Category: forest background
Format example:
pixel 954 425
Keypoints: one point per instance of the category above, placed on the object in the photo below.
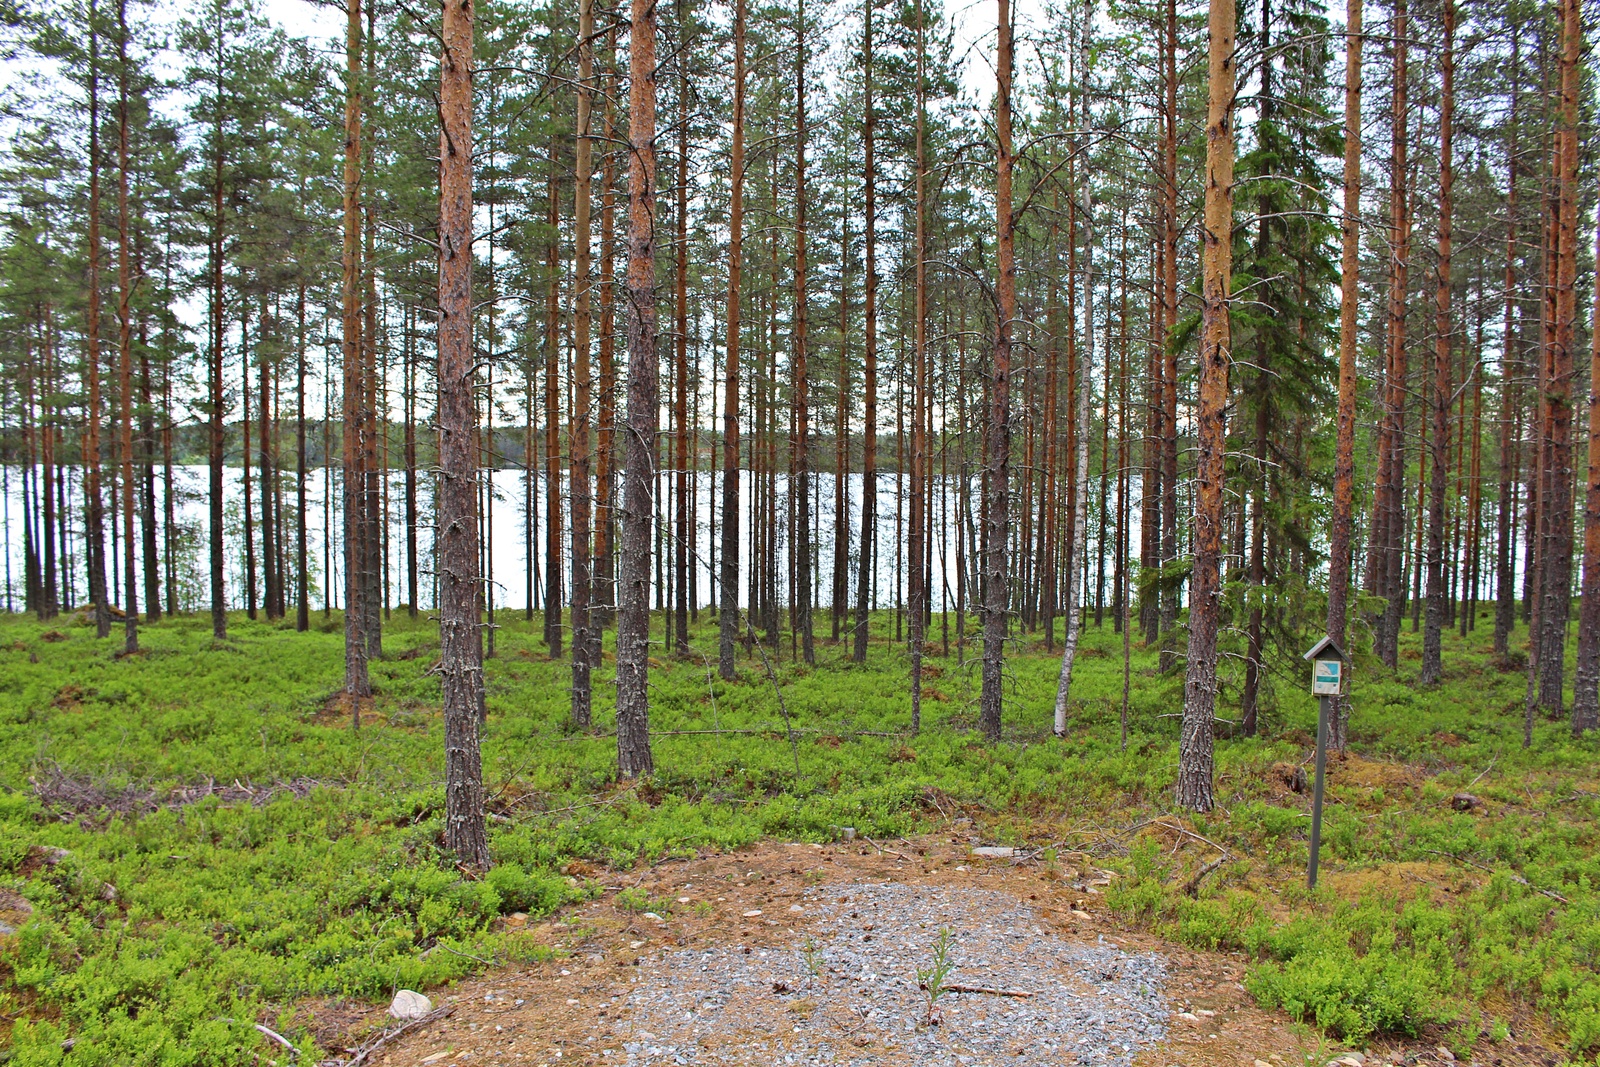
pixel 1136 345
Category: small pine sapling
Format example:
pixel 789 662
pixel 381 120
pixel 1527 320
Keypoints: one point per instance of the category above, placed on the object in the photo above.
pixel 931 979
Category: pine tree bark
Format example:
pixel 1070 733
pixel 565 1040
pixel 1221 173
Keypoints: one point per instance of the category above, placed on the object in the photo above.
pixel 1510 462
pixel 94 502
pixel 552 418
pixel 800 488
pixel 1432 668
pixel 357 684
pixel 638 509
pixel 841 436
pixel 144 454
pixel 869 359
pixel 219 601
pixel 683 537
pixel 248 508
pixel 1560 320
pixel 605 565
pixel 461 649
pixel 1586 680
pixel 997 436
pixel 1195 789
pixel 728 620
pixel 1349 325
pixel 1150 473
pixel 1386 557
pixel 125 284
pixel 1169 369
pixel 584 646
pixel 410 453
pixel 302 592
pixel 918 598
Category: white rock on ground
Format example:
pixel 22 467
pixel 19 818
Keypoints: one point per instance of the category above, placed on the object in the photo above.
pixel 409 1004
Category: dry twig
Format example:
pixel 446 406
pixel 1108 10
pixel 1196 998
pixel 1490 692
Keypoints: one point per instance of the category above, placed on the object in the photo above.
pixel 1517 878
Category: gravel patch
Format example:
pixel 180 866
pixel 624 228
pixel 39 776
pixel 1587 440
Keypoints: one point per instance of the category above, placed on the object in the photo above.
pixel 845 992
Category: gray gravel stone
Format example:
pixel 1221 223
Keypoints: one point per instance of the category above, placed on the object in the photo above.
pixel 846 991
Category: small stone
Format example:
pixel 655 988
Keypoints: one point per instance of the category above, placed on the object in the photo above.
pixel 1186 1016
pixel 653 915
pixel 796 908
pixel 1446 1054
pixel 752 913
pixel 994 851
pixel 51 856
pixel 409 1004
pixel 1076 914
pixel 1261 1063
pixel 1206 1013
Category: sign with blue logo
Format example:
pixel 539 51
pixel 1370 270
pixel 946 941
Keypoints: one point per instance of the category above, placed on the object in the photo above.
pixel 1327 678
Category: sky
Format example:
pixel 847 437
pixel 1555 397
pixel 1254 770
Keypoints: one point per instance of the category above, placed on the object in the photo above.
pixel 973 21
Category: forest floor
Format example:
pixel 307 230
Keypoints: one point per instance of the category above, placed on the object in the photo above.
pixel 195 849
pixel 787 985
pixel 811 952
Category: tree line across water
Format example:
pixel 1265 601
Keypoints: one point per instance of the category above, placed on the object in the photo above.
pixel 1287 300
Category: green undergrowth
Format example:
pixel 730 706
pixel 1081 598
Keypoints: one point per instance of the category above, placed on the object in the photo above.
pixel 204 842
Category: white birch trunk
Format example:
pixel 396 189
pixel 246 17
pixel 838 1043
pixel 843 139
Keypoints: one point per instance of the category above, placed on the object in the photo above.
pixel 1069 644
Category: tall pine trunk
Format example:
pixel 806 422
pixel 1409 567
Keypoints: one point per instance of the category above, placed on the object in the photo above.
pixel 125 284
pixel 94 501
pixel 1586 682
pixel 357 684
pixel 461 650
pixel 584 647
pixel 869 366
pixel 219 601
pixel 605 562
pixel 1169 366
pixel 1432 669
pixel 728 621
pixel 997 436
pixel 1349 325
pixel 918 600
pixel 683 539
pixel 302 595
pixel 552 418
pixel 1505 616
pixel 1195 789
pixel 1560 320
pixel 638 507
pixel 801 594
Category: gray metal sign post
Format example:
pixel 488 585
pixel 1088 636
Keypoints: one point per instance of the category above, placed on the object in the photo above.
pixel 1329 681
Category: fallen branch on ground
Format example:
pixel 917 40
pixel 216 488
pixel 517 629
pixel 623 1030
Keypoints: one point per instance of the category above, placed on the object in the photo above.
pixel 953 987
pixel 1517 878
pixel 365 1052
pixel 885 851
pixel 1192 886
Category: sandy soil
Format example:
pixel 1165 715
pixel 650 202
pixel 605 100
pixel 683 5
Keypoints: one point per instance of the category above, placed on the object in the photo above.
pixel 575 1009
